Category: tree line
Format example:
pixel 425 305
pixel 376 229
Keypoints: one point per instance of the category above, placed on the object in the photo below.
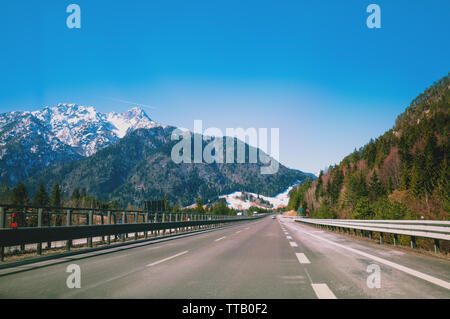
pixel 19 195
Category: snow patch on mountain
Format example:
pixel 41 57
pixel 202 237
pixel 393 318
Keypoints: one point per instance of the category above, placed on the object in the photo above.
pixel 245 200
pixel 133 119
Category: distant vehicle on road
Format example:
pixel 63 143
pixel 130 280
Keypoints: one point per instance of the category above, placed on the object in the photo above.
pixel 273 217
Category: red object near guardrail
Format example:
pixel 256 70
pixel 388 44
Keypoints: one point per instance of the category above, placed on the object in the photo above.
pixel 14 223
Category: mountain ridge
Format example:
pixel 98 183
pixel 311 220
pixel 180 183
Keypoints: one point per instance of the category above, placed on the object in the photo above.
pixel 33 140
pixel 139 167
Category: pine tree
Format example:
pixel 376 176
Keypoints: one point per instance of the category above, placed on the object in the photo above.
pixel 417 186
pixel 431 165
pixel 443 183
pixel 363 210
pixel 176 208
pixel 404 180
pixel 319 187
pixel 199 207
pixel 356 188
pixel 41 197
pixel 5 194
pixel 20 195
pixel 55 198
pixel 376 189
pixel 166 204
pixel 75 195
pixel 336 186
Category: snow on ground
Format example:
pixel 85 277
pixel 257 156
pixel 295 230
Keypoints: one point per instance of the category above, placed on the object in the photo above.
pixel 234 201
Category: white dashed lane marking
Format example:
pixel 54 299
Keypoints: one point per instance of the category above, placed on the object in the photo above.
pixel 412 272
pixel 323 292
pixel 166 259
pixel 302 258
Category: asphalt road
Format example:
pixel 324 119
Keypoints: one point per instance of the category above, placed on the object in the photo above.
pixel 268 258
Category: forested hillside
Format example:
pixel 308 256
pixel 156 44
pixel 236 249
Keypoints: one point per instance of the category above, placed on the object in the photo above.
pixel 403 174
pixel 139 167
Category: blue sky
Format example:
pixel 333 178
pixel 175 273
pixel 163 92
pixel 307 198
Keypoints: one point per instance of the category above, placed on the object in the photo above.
pixel 311 68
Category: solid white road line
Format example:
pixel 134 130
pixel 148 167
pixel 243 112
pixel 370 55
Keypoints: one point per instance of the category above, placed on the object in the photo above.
pixel 293 244
pixel 166 259
pixel 238 231
pixel 407 270
pixel 323 292
pixel 220 238
pixel 302 258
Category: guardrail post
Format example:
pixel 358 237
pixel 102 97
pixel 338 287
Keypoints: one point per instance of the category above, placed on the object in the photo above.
pixel 69 223
pixel 2 225
pixel 49 223
pixel 437 246
pixel 370 235
pixel 108 240
pixel 381 239
pixel 413 242
pixel 90 220
pixel 176 220
pixel 39 224
pixel 395 240
pixel 146 221
pixel 155 220
pixel 102 222
pixel 124 221
pixel 163 220
pixel 115 222
pixel 136 221
pixel 22 223
pixel 354 232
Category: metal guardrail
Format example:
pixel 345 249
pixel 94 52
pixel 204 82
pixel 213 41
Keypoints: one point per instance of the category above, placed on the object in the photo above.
pixel 437 230
pixel 143 222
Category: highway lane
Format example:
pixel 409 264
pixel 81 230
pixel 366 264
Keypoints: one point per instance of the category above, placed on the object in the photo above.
pixel 342 263
pixel 260 259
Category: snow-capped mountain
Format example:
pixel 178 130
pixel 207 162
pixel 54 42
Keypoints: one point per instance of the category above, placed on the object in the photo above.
pixel 87 130
pixel 31 141
pixel 124 157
